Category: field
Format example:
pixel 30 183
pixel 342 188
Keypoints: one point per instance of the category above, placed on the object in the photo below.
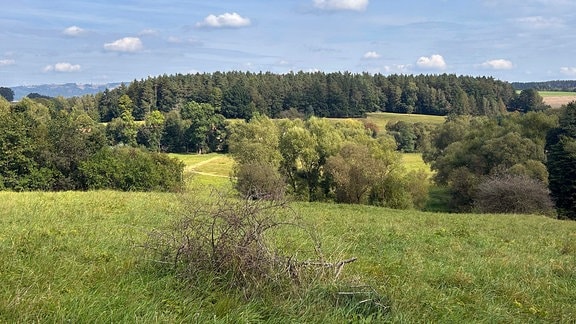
pixel 557 98
pixel 77 257
pixel 381 119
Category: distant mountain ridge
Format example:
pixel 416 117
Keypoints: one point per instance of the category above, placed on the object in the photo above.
pixel 66 90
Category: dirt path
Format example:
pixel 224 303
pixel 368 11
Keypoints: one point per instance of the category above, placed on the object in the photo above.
pixel 192 168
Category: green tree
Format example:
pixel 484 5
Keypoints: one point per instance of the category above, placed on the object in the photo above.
pixel 529 100
pixel 206 129
pixel 173 135
pixel 7 93
pixel 123 130
pixel 561 163
pixel 255 141
pixel 467 150
pixel 150 134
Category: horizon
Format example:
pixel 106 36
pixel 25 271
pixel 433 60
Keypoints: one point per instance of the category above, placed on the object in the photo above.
pixel 67 41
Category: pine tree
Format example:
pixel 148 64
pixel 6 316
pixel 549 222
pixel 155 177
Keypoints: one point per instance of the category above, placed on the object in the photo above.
pixel 561 149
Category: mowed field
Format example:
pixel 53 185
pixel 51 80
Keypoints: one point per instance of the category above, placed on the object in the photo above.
pixel 556 99
pixel 381 119
pixel 78 257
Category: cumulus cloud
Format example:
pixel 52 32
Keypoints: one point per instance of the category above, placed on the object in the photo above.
pixel 569 71
pixel 371 55
pixel 62 67
pixel 126 44
pixel 226 20
pixel 73 31
pixel 433 62
pixel 498 64
pixel 355 5
pixel 7 62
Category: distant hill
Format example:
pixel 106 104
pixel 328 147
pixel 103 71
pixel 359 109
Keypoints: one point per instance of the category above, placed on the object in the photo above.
pixel 65 90
pixel 558 85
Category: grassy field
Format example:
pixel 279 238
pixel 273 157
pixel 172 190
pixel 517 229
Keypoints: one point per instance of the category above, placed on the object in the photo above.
pixel 557 98
pixel 76 257
pixel 381 119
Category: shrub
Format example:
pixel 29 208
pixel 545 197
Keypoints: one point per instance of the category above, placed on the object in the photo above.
pixel 230 239
pixel 513 194
pixel 259 180
pixel 131 169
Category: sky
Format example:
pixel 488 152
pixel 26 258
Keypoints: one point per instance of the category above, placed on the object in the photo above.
pixel 102 41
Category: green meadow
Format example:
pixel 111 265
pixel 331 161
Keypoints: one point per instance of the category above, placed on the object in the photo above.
pixel 381 119
pixel 78 257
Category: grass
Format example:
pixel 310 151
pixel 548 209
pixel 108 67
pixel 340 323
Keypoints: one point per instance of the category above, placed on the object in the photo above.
pixel 557 93
pixel 75 256
pixel 557 99
pixel 381 119
pixel 414 162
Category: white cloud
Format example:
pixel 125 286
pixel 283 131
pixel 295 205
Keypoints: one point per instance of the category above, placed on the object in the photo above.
pixel 371 55
pixel 569 71
pixel 126 44
pixel 62 67
pixel 7 62
pixel 226 20
pixel 186 41
pixel 73 31
pixel 356 5
pixel 498 64
pixel 398 68
pixel 539 22
pixel 148 32
pixel 433 62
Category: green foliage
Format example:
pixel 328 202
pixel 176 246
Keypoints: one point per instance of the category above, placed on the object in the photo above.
pixel 561 163
pixel 466 150
pixel 150 134
pixel 529 100
pixel 259 180
pixel 206 131
pixel 255 141
pixel 239 95
pixel 321 160
pixel 131 169
pixel 6 93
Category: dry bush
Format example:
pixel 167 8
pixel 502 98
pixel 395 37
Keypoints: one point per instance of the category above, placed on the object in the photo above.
pixel 233 240
pixel 513 194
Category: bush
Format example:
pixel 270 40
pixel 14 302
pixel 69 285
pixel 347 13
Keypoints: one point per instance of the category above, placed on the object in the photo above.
pixel 131 169
pixel 513 194
pixel 259 180
pixel 230 239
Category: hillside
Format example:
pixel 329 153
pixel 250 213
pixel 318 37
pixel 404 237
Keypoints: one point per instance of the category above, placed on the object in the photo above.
pixel 76 256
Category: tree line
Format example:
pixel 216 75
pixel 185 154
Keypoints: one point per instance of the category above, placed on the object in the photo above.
pixel 556 85
pixel 46 149
pixel 339 94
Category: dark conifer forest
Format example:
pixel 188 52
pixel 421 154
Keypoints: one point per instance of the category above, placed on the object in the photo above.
pixel 242 94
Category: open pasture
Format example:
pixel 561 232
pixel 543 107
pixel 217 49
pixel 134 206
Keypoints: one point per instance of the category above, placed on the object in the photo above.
pixel 77 257
pixel 381 119
pixel 557 99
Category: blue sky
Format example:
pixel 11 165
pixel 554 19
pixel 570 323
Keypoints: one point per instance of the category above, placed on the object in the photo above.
pixel 90 41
